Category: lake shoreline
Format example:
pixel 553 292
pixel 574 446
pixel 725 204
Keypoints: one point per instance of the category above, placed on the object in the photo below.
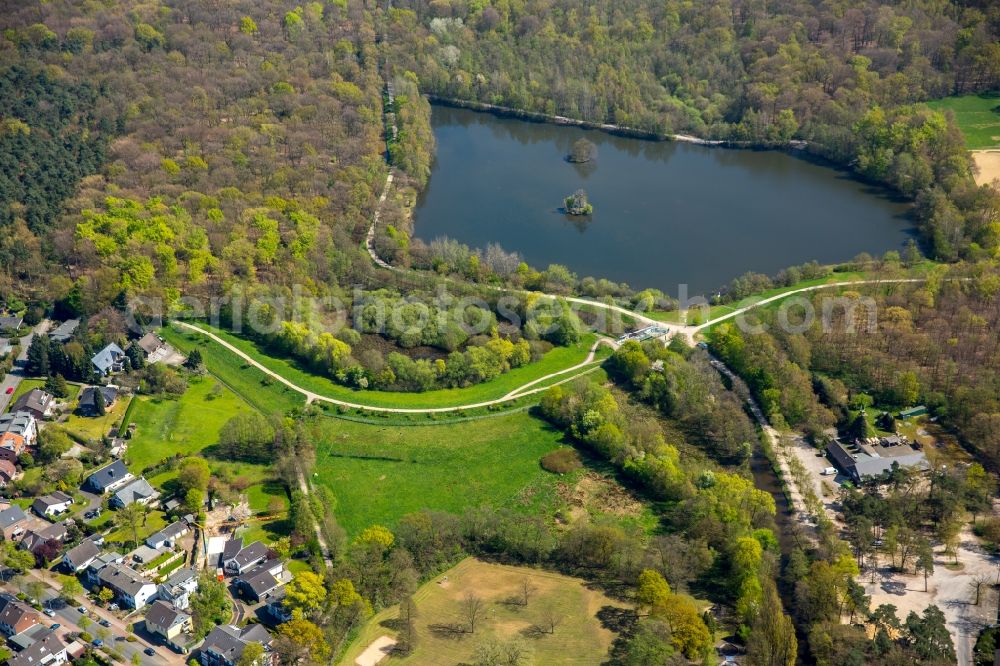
pixel 610 128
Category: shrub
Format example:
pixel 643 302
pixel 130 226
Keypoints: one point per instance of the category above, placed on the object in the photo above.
pixel 561 461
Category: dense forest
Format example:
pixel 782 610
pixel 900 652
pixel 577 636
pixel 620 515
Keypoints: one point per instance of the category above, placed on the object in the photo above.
pixel 847 77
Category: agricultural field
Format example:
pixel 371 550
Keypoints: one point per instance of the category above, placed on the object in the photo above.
pixel 559 358
pixel 380 473
pixel 167 426
pixel 978 116
pixel 579 639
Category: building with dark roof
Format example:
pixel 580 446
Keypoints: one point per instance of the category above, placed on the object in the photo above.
pixel 45 649
pixel 36 402
pixel 137 491
pixel 64 332
pixel 236 558
pixel 47 506
pixel 77 558
pixel 109 478
pixel 130 588
pixel 13 522
pixel 16 616
pixel 86 404
pixel 225 644
pixel 261 582
pixel 864 460
pixel 169 623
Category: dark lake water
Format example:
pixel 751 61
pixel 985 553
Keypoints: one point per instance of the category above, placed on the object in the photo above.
pixel 664 213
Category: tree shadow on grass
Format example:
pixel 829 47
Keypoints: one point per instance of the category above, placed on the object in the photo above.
pixel 449 630
pixel 619 620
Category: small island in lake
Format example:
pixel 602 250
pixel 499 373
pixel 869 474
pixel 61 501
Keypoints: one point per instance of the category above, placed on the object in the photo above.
pixel 577 204
pixel 583 151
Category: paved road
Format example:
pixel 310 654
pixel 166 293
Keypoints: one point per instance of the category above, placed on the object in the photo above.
pixel 69 618
pixel 14 377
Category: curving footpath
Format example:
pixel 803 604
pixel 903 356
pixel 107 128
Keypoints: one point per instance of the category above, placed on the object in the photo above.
pixel 312 396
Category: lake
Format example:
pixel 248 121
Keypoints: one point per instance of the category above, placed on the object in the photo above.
pixel 665 213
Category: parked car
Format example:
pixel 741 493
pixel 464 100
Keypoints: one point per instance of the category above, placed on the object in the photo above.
pixel 82 610
pixel 97 642
pixel 49 612
pixel 10 389
pixel 55 626
pixel 149 652
pixel 829 471
pixel 104 623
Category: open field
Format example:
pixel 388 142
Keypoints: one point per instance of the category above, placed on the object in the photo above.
pixel 251 384
pixel 988 162
pixel 559 358
pixel 187 424
pixel 978 116
pixel 580 639
pixel 380 473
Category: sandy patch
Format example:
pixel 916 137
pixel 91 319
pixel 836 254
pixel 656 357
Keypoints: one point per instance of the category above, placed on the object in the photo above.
pixel 376 652
pixel 988 162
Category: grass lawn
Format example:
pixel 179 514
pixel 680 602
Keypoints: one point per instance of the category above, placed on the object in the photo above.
pixel 380 473
pixel 155 521
pixel 557 359
pixel 167 426
pixel 93 428
pixel 978 116
pixel 265 394
pixel 29 384
pixel 580 638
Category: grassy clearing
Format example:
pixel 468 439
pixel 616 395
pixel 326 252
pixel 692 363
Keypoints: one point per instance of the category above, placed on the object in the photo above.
pixel 380 473
pixel 155 521
pixel 261 391
pixel 167 426
pixel 579 639
pixel 978 116
pixel 560 358
pixel 88 428
pixel 27 385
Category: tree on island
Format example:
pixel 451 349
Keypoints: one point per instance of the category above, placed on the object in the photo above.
pixel 582 151
pixel 577 204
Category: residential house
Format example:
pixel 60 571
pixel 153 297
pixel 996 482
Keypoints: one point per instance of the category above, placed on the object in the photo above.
pixel 12 322
pixel 237 559
pixel 48 506
pixel 16 616
pixel 144 555
pixel 109 478
pixel 169 623
pixel 36 402
pixel 13 523
pixel 93 571
pixel 18 431
pixel 225 644
pixel 179 587
pixel 34 540
pixel 87 402
pixel 5 347
pixel 109 360
pixel 276 607
pixel 138 491
pixel 64 332
pixel 168 536
pixel 261 582
pixel 153 347
pixel 77 559
pixel 46 649
pixel 8 472
pixel 130 588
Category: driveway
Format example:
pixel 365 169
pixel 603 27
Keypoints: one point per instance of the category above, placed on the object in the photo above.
pixel 14 377
pixel 69 618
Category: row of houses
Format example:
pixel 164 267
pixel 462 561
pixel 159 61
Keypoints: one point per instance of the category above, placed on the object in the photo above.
pixel 33 643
